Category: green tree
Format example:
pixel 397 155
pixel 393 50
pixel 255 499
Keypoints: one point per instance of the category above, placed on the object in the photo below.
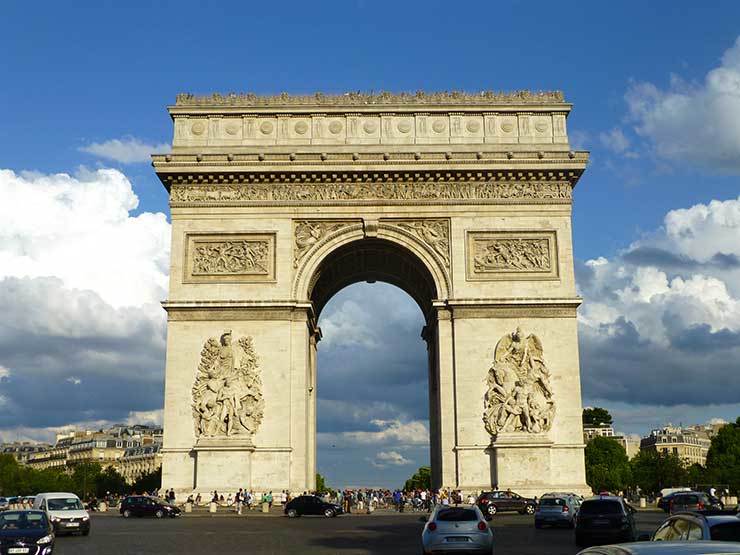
pixel 696 474
pixel 607 465
pixel 595 417
pixel 148 482
pixel 320 484
pixel 723 458
pixel 85 477
pixel 653 471
pixel 109 480
pixel 422 479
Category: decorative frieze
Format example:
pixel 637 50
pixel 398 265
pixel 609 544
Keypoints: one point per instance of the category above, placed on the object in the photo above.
pixel 519 396
pixel 511 255
pixel 371 99
pixel 309 232
pixel 230 257
pixel 348 192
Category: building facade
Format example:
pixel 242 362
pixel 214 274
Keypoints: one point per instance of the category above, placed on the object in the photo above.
pixel 690 444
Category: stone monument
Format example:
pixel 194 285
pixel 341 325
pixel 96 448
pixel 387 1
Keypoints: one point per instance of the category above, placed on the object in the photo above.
pixel 462 200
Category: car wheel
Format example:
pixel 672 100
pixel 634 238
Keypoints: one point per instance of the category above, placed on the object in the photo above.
pixel 292 513
pixel 126 513
pixel 329 513
pixel 159 513
pixel 492 509
pixel 529 509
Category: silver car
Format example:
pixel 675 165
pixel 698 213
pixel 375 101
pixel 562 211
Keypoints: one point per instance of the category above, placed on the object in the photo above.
pixel 665 548
pixel 456 529
pixel 556 510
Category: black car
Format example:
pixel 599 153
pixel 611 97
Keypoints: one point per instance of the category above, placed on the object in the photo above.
pixel 311 505
pixel 492 502
pixel 28 532
pixel 692 501
pixel 605 519
pixel 145 505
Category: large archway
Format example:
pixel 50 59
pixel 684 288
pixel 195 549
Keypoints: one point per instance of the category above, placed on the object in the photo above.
pixel 371 260
pixel 462 200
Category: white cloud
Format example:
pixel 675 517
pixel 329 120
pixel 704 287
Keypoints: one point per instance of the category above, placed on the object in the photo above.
pixel 79 229
pixel 80 281
pixel 152 417
pixel 4 372
pixel 693 121
pixel 616 141
pixel 389 458
pixel 393 432
pixel 128 150
pixel 661 321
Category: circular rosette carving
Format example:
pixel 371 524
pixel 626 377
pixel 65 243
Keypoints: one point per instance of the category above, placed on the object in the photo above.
pixel 227 393
pixel 519 396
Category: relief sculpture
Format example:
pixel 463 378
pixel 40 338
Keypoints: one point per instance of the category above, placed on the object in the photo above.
pixel 519 396
pixel 529 255
pixel 227 393
pixel 310 232
pixel 231 257
pixel 435 233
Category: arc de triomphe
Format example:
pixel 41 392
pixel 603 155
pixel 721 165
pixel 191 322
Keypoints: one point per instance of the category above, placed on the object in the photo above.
pixel 462 200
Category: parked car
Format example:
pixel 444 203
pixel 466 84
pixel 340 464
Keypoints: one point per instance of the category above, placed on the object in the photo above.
pixel 665 548
pixel 311 505
pixel 4 503
pixel 28 532
pixel 556 510
pixel 700 525
pixel 665 497
pixel 605 519
pixel 146 505
pixel 692 501
pixel 65 511
pixel 456 529
pixel 492 502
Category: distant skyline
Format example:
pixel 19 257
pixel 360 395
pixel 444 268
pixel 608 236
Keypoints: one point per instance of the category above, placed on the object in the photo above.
pixel 85 230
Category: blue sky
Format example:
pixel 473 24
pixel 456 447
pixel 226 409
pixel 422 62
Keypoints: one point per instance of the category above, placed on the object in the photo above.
pixel 654 100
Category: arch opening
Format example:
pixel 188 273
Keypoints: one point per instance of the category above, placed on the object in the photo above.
pixel 372 260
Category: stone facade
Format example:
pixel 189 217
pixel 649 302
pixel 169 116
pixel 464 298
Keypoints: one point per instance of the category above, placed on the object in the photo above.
pixel 464 201
pixel 690 444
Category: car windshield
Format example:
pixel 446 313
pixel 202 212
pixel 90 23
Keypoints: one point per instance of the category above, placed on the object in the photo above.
pixel 726 532
pixel 22 521
pixel 456 515
pixel 552 501
pixel 601 507
pixel 64 504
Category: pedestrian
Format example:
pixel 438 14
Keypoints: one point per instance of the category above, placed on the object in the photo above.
pixel 238 501
pixel 269 500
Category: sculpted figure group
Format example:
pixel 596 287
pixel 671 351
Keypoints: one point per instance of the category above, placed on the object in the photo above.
pixel 227 394
pixel 513 254
pixel 519 396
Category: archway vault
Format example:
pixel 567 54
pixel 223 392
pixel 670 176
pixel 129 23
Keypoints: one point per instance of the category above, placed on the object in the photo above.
pixel 373 252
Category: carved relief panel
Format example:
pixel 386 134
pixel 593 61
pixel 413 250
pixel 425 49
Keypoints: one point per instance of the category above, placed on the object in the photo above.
pixel 227 392
pixel 308 233
pixel 519 396
pixel 229 257
pixel 507 255
pixel 435 233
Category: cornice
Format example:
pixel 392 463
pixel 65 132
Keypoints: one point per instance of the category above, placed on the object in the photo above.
pixel 381 99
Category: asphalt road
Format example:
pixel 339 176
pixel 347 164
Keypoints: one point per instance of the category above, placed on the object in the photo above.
pixel 351 535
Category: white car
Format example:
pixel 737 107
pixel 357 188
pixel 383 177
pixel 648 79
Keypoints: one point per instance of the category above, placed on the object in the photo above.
pixel 457 529
pixel 65 511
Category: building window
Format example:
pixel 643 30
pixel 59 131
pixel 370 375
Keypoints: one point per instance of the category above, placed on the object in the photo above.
pixel 675 450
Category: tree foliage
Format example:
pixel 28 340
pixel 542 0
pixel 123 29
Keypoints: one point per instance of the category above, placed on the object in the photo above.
pixel 607 465
pixel 723 458
pixel 422 479
pixel 595 417
pixel 320 484
pixel 653 471
pixel 148 482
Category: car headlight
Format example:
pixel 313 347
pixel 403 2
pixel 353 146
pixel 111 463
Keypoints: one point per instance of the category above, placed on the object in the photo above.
pixel 55 519
pixel 45 540
pixel 85 518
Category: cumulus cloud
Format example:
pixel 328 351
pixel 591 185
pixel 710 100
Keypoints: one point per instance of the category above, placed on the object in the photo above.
pixel 660 324
pixel 385 432
pixel 128 150
pixel 616 141
pixel 80 281
pixel 693 121
pixel 389 458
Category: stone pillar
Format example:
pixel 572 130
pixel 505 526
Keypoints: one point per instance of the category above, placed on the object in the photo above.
pixel 446 403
